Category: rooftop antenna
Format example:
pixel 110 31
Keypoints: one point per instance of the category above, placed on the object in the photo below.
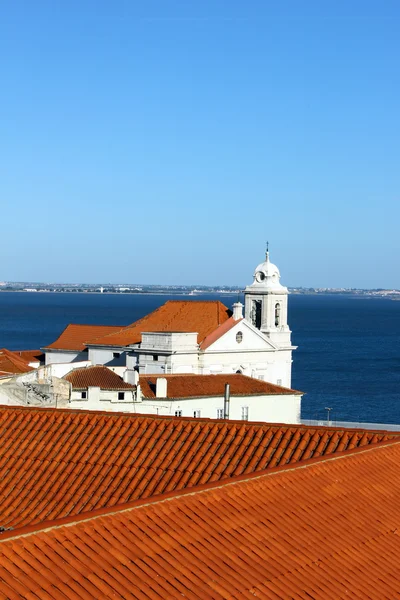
pixel 267 252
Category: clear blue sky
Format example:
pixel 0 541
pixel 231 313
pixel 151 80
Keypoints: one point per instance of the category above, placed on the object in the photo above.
pixel 166 141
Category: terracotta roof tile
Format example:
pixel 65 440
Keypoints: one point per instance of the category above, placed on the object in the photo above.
pixel 30 355
pixel 201 317
pixel 97 376
pixel 56 463
pixel 327 529
pixel 196 386
pixel 75 337
pixel 11 363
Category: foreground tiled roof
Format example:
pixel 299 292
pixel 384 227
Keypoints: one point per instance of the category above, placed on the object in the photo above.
pixel 12 363
pixel 199 316
pixel 75 337
pixel 323 530
pixel 56 463
pixel 97 376
pixel 197 386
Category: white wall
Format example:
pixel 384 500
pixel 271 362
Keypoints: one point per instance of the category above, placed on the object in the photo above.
pixel 61 369
pixel 57 356
pixel 271 409
pixel 98 399
pixel 274 409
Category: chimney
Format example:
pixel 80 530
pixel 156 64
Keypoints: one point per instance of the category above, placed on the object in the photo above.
pixel 226 401
pixel 131 376
pixel 161 387
pixel 237 311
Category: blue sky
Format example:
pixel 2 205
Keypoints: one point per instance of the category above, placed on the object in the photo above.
pixel 166 141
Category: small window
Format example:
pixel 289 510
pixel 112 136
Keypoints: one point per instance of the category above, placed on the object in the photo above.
pixel 155 356
pixel 196 414
pixel 121 395
pixel 239 337
pixel 261 377
pixel 83 395
pixel 279 381
pixel 116 354
pixel 220 413
pixel 245 413
pixel 178 413
pixel 239 372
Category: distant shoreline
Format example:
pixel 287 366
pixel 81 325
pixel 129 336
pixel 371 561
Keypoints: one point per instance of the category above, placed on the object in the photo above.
pixel 353 295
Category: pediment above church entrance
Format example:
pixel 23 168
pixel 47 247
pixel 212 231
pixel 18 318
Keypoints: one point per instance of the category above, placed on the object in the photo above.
pixel 242 337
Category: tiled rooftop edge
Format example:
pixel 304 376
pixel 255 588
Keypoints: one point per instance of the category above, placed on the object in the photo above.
pixel 115 414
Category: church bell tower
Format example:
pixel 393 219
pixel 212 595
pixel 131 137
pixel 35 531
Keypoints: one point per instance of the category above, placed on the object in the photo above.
pixel 266 302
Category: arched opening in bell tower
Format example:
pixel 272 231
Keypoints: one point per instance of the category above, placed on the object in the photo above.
pixel 277 314
pixel 256 314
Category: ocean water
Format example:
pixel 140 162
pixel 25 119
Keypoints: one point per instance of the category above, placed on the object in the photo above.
pixel 348 356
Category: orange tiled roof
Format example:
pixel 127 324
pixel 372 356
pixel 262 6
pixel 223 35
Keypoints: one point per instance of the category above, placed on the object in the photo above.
pixel 11 363
pixel 199 316
pixel 324 530
pixel 197 386
pixel 56 463
pixel 30 355
pixel 74 337
pixel 97 376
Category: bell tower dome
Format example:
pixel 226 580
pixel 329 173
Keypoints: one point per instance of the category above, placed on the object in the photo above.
pixel 266 301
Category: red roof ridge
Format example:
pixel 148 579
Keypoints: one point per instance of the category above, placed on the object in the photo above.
pixel 94 514
pixel 118 414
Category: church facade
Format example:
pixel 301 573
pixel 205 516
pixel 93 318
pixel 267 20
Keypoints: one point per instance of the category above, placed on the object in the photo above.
pixel 198 337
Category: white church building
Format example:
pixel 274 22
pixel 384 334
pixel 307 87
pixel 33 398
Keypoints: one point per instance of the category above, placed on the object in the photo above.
pixel 194 336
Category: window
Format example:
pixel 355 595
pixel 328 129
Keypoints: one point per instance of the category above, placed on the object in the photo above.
pixel 178 413
pixel 239 337
pixel 239 372
pixel 277 314
pixel 155 356
pixel 196 414
pixel 116 354
pixel 220 413
pixel 279 381
pixel 121 395
pixel 83 395
pixel 261 377
pixel 245 413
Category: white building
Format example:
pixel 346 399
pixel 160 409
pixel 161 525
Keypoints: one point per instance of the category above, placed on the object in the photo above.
pixel 199 396
pixel 196 337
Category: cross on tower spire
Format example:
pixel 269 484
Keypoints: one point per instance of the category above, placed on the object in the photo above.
pixel 267 252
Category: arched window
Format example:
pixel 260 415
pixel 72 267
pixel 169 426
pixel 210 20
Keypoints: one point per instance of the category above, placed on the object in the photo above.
pixel 277 314
pixel 256 314
pixel 239 337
